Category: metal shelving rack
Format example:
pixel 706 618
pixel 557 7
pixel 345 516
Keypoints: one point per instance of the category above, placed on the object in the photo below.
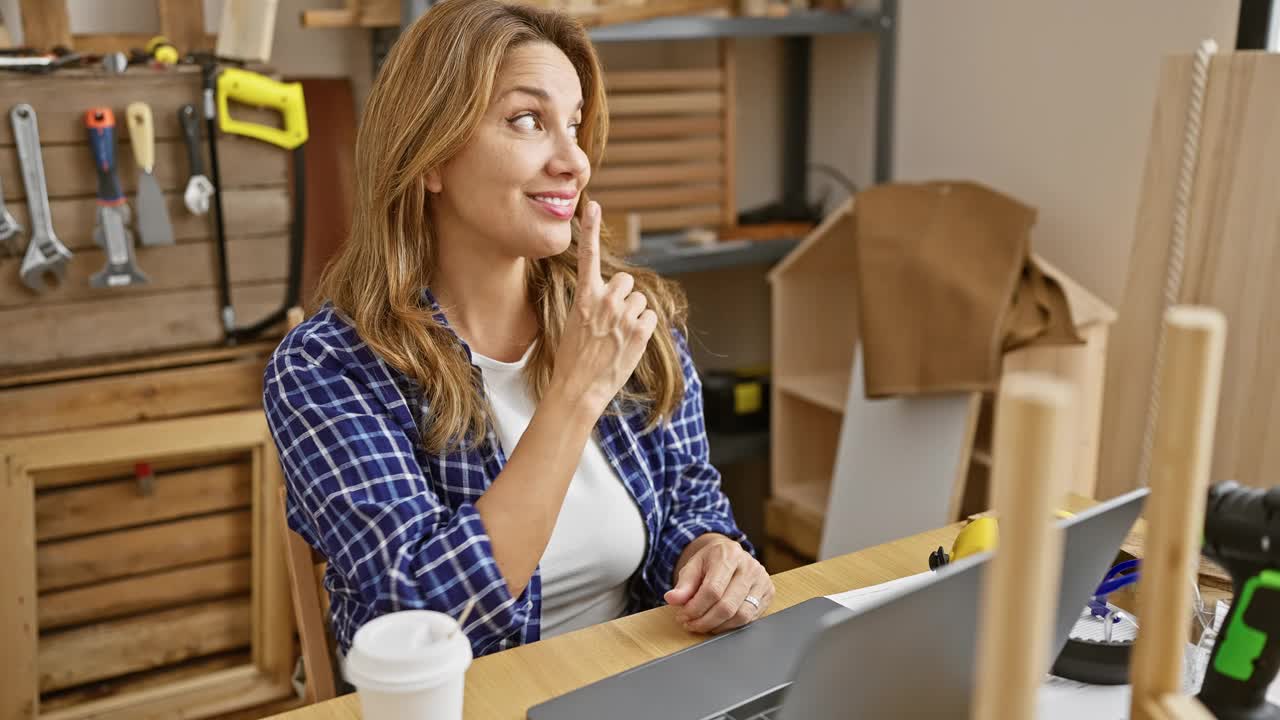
pixel 798 30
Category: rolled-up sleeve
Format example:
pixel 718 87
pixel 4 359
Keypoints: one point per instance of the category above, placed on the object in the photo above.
pixel 695 503
pixel 359 495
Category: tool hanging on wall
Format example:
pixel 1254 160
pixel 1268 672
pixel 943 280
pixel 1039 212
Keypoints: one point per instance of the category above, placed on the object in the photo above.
pixel 222 85
pixel 9 229
pixel 45 256
pixel 153 217
pixel 199 189
pixel 110 231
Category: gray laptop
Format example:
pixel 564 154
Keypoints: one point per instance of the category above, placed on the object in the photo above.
pixel 909 656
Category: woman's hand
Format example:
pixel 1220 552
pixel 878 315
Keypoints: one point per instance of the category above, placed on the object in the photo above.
pixel 713 581
pixel 607 329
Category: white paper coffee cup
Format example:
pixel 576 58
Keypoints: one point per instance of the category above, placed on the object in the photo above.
pixel 408 665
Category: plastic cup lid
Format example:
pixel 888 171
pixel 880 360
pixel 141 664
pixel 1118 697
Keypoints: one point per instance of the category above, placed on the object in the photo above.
pixel 406 651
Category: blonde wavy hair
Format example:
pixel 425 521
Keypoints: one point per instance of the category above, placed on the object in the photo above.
pixel 427 101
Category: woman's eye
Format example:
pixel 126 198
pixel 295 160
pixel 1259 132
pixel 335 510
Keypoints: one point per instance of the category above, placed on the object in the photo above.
pixel 526 122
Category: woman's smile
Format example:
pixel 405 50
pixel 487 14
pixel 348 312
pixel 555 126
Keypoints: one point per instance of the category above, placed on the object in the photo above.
pixel 557 205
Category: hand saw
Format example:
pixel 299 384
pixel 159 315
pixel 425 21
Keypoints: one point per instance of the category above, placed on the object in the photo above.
pixel 221 86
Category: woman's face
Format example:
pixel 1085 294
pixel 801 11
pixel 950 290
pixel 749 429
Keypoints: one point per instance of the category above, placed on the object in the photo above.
pixel 515 185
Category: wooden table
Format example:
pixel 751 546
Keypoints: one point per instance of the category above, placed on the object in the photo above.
pixel 504 685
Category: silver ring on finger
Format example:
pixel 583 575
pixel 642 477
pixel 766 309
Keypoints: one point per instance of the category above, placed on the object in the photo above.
pixel 755 601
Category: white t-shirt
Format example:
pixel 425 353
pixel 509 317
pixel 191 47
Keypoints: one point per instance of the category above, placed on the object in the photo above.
pixel 599 538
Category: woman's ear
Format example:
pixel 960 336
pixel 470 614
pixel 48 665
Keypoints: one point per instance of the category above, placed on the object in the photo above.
pixel 433 182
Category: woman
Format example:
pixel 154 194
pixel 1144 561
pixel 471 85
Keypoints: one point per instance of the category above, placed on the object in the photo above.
pixel 486 406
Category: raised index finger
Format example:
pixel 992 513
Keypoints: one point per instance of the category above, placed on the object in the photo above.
pixel 589 248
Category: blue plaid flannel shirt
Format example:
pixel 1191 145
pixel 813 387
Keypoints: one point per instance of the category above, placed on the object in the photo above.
pixel 399 526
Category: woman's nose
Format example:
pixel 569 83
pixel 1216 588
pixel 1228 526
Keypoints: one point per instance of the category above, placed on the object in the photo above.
pixel 568 158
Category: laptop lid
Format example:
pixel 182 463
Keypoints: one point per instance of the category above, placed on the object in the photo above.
pixel 913 655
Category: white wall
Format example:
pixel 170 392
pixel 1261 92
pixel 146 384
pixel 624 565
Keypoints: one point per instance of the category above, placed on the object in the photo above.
pixel 1050 102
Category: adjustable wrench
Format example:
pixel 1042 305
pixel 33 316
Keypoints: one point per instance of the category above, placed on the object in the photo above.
pixel 9 229
pixel 113 209
pixel 45 254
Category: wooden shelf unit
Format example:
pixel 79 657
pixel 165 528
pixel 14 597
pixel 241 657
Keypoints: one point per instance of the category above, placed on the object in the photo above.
pixel 815 333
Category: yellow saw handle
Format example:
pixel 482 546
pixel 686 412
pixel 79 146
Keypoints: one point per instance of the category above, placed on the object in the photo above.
pixel 250 88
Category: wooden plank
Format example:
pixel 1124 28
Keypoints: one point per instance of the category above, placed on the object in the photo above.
pixel 69 168
pixel 626 81
pixel 130 596
pixel 205 696
pixel 130 398
pixel 120 325
pixel 1019 591
pixel 121 503
pixel 631 176
pixel 121 553
pixel 184 266
pixel 651 151
pixel 104 650
pixel 379 13
pixel 1230 264
pixel 18 694
pixel 182 358
pixel 796 526
pixel 247 29
pixel 705 216
pixel 182 21
pixel 330 18
pixel 1190 383
pixel 642 128
pixel 102 43
pixel 159 440
pixel 158 678
pixel 123 470
pixel 623 200
pixel 274 624
pixel 673 103
pixel 45 23
pixel 257 212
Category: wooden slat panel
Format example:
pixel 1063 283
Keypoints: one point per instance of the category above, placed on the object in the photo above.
pixel 139 594
pixel 159 677
pixel 627 177
pixel 212 695
pixel 115 326
pixel 694 79
pixel 649 152
pixel 121 504
pixel 165 361
pixel 129 398
pixel 61 99
pixel 645 128
pixel 111 649
pixel 128 552
pixel 69 168
pixel 676 103
pixel 186 266
pixel 80 474
pixel 674 219
pixel 260 211
pixel 729 206
pixel 674 196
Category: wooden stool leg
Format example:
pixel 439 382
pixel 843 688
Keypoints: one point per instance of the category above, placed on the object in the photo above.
pixel 1031 460
pixel 1189 386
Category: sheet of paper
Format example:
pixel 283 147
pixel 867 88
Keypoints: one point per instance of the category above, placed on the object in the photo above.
pixel 865 597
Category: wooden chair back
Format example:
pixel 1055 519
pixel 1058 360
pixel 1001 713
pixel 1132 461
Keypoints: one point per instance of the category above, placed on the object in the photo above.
pixel 310 607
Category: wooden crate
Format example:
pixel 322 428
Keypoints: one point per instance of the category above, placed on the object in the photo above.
pixel 142 599
pixel 75 323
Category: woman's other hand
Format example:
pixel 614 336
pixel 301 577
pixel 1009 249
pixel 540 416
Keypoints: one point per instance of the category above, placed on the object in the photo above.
pixel 607 329
pixel 714 580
